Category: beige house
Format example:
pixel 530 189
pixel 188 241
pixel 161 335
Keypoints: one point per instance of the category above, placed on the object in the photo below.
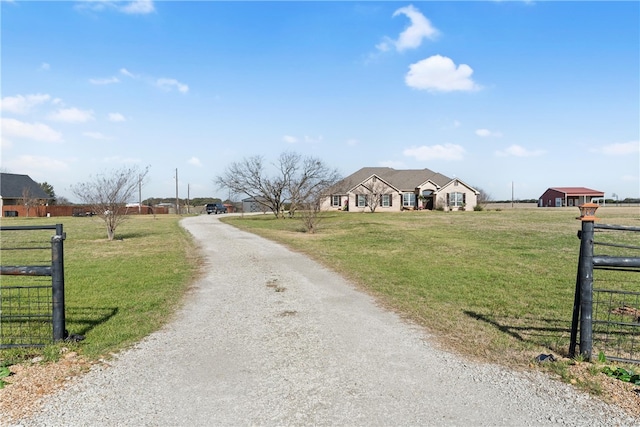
pixel 389 190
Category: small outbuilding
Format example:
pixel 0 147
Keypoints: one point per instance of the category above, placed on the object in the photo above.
pixel 253 204
pixel 556 197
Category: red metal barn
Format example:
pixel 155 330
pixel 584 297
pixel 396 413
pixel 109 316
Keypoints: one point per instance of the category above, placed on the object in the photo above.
pixel 556 197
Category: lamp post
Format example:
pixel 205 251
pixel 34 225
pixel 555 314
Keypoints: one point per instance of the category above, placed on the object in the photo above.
pixel 585 278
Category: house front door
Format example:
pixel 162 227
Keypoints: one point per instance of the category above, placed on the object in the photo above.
pixel 427 203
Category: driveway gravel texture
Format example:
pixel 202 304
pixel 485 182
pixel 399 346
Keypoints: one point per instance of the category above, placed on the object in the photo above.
pixel 269 337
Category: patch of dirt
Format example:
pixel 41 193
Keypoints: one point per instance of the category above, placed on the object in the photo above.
pixel 620 393
pixel 30 382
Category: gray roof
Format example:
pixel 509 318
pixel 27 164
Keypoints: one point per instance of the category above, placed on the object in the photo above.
pixel 13 185
pixel 403 180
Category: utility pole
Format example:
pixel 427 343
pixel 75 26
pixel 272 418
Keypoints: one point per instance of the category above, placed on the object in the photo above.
pixel 511 194
pixel 139 194
pixel 188 196
pixel 177 200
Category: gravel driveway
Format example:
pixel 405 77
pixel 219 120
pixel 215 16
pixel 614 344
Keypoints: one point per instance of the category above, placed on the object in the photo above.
pixel 269 337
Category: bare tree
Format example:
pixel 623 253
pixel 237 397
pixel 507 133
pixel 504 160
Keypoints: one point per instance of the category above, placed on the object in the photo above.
pixel 306 185
pixel 107 194
pixel 374 189
pixel 28 199
pixel 311 215
pixel 483 198
pixel 249 177
pixel 61 200
pixel 296 181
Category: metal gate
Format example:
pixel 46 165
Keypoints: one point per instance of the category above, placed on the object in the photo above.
pixel 32 312
pixel 606 308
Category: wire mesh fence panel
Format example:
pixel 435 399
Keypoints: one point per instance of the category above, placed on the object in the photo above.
pixel 25 313
pixel 26 286
pixel 616 324
pixel 616 296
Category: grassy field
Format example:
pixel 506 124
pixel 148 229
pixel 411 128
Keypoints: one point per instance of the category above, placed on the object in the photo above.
pixel 496 284
pixel 117 291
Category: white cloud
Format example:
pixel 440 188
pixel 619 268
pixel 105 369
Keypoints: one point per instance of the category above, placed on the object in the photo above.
pixel 313 140
pixel 116 117
pixel 138 7
pixel 21 104
pixel 34 166
pixel 104 81
pixel 485 133
pixel 168 84
pixel 127 73
pixel 518 151
pixel 419 29
pixel 134 7
pixel 352 142
pixel 195 161
pixel 96 135
pixel 439 73
pixel 620 149
pixel 35 131
pixel 290 139
pixel 71 115
pixel 440 152
pixel 162 83
pixel 45 66
pixel 384 46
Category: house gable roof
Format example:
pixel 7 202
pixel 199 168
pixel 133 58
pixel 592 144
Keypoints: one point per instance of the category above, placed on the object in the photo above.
pixel 454 180
pixel 578 191
pixel 366 180
pixel 403 180
pixel 13 185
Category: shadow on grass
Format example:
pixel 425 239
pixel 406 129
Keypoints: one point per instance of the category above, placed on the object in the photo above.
pixel 551 333
pixel 133 235
pixel 80 320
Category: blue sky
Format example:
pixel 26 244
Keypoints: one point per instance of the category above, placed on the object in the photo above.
pixel 501 94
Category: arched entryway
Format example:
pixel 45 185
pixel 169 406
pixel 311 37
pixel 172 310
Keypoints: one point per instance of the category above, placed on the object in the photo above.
pixel 427 200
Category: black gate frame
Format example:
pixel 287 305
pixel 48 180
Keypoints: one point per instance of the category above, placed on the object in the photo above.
pixel 55 270
pixel 583 301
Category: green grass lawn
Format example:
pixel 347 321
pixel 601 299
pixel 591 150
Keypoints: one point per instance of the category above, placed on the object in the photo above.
pixel 116 292
pixel 496 285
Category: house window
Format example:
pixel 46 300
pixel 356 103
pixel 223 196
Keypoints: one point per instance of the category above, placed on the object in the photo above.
pixel 408 200
pixel 456 199
pixel 336 201
pixel 361 200
pixel 385 200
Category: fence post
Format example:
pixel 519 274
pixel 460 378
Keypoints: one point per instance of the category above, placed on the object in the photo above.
pixel 57 280
pixel 576 306
pixel 585 278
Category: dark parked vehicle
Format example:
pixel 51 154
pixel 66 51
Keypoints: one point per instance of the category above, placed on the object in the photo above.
pixel 215 208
